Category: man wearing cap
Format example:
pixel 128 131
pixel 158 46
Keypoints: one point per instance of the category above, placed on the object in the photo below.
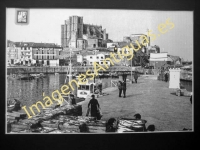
pixel 94 106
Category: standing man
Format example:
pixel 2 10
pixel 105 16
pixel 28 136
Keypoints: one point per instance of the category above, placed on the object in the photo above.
pixel 166 77
pixel 94 106
pixel 135 77
pixel 119 84
pixel 100 86
pixel 72 99
pixel 124 88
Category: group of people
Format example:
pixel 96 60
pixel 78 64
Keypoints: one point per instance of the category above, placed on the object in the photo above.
pixel 122 88
pixel 112 124
pixel 122 85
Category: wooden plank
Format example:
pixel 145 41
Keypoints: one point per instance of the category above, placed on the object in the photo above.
pixel 13 114
pixel 21 114
pixel 12 117
pixel 97 131
pixel 20 126
pixel 96 124
pixel 97 128
pixel 50 125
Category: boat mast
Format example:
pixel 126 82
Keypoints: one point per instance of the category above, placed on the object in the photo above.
pixel 70 67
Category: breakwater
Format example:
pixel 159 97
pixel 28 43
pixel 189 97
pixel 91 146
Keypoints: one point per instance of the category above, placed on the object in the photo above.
pixel 80 69
pixel 15 70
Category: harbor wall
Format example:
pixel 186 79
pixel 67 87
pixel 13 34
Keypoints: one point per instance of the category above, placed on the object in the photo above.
pixel 16 70
pixel 65 69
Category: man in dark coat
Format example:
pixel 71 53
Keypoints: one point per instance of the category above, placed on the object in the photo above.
pixel 119 84
pixel 166 77
pixel 135 77
pixel 94 106
pixel 124 88
pixel 17 105
pixel 73 99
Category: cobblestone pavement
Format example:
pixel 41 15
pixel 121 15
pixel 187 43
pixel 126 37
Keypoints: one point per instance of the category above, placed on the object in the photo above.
pixel 153 100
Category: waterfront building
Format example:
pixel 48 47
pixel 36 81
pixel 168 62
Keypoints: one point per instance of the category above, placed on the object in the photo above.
pixel 175 60
pixel 25 49
pixel 136 37
pixel 157 60
pixel 152 49
pixel 46 54
pixel 111 44
pixel 13 53
pixel 98 58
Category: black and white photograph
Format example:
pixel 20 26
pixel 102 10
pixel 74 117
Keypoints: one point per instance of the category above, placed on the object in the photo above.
pixel 98 71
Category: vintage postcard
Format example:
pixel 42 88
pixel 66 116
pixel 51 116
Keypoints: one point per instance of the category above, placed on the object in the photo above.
pixel 84 71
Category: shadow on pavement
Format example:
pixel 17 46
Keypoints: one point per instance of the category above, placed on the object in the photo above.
pixel 133 95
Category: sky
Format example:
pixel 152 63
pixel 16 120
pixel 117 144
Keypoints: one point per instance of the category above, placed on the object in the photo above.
pixel 45 26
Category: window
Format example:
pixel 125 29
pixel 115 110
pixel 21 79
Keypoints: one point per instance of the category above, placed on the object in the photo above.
pixel 90 57
pixel 101 62
pixel 91 63
pixel 83 87
pixel 97 57
pixel 106 62
pixel 87 87
pixel 101 57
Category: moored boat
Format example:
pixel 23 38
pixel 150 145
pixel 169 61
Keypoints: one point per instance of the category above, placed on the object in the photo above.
pixel 87 89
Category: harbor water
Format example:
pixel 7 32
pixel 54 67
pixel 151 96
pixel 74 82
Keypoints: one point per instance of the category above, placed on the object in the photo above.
pixel 29 92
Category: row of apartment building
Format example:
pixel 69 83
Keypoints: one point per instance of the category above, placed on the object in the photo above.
pixel 29 53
